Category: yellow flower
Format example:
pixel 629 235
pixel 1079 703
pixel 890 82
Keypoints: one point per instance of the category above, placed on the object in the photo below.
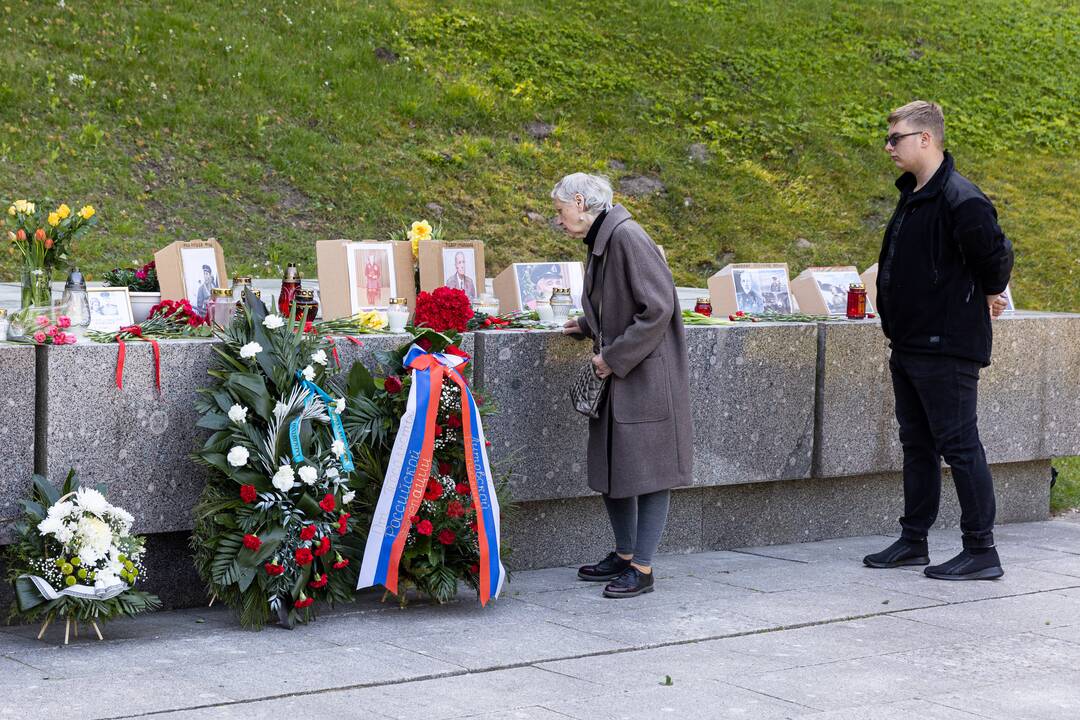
pixel 11 210
pixel 87 212
pixel 420 230
pixel 20 206
pixel 54 219
pixel 11 236
pixel 415 246
pixel 30 207
pixel 63 211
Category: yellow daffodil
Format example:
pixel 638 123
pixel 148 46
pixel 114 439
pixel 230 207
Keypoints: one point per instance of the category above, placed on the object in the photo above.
pixel 421 230
pixel 87 212
pixel 54 219
pixel 372 319
pixel 20 206
pixel 11 210
pixel 63 211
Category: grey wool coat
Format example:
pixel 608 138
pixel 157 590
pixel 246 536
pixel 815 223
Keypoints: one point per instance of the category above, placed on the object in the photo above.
pixel 643 440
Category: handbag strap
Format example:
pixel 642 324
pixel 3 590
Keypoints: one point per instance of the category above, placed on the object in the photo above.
pixel 600 306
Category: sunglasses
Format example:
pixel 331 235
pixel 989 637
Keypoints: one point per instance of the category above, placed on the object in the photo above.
pixel 896 137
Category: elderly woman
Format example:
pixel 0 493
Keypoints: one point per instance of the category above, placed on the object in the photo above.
pixel 640 446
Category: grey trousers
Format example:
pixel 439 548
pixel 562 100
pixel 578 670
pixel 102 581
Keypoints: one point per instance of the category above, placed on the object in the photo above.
pixel 638 523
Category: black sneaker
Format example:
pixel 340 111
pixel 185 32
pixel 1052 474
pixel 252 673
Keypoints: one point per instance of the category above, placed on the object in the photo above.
pixel 968 566
pixel 900 553
pixel 607 569
pixel 631 583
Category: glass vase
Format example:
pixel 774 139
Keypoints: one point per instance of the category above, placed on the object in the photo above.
pixel 36 286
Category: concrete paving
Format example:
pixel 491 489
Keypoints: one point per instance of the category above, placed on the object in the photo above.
pixel 794 631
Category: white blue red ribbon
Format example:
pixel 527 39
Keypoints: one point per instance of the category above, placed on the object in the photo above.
pixel 410 468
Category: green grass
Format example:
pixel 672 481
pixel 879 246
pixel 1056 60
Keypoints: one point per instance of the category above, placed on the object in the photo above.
pixel 273 124
pixel 1065 494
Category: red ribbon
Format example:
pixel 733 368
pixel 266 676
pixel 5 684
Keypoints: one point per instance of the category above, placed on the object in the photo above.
pixel 136 332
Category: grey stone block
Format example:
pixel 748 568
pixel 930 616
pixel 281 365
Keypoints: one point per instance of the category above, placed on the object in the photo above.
pixel 17 417
pixel 751 390
pixel 364 352
pixel 132 440
pixel 1029 396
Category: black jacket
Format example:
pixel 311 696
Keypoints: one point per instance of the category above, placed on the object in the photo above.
pixel 942 255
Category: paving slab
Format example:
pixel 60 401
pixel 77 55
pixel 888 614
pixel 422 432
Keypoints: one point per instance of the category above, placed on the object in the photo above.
pixel 718 702
pixel 1001 616
pixel 1054 697
pixel 903 710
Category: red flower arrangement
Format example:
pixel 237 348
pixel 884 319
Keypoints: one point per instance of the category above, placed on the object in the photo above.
pixel 248 493
pixel 178 310
pixel 444 309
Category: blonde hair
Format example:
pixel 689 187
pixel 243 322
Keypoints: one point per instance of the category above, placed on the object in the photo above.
pixel 922 115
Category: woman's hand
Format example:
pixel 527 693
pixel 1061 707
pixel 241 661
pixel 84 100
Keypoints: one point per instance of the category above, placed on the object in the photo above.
pixel 571 327
pixel 600 367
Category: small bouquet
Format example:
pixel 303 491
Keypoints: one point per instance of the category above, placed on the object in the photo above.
pixel 75 558
pixel 444 309
pixel 142 279
pixel 44 239
pixel 42 330
pixel 169 319
pixel 525 319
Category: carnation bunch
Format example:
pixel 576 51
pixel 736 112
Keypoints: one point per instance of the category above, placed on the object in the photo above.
pixel 444 310
pixel 46 332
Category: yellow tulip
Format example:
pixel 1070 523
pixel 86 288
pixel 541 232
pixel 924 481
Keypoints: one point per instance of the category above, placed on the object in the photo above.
pixel 54 219
pixel 87 212
pixel 63 211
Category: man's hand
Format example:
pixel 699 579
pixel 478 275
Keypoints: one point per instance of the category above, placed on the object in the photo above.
pixel 600 367
pixel 571 327
pixel 997 304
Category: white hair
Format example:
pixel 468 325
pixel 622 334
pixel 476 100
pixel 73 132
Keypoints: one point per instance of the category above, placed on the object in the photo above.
pixel 596 189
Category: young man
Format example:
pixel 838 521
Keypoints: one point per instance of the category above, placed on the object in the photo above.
pixel 943 264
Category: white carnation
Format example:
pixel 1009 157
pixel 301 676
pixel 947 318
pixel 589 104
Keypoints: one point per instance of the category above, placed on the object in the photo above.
pixel 273 322
pixel 338 448
pixel 332 472
pixel 238 414
pixel 309 475
pixel 309 373
pixel 238 456
pixel 339 405
pixel 348 497
pixel 250 350
pixel 319 357
pixel 283 479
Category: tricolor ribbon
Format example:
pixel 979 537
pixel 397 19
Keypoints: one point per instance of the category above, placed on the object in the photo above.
pixel 410 468
pixel 335 424
pixel 136 333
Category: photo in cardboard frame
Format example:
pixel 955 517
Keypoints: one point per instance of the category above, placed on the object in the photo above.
pixel 190 270
pixel 520 285
pixel 457 265
pixel 824 290
pixel 110 308
pixel 372 276
pixel 751 288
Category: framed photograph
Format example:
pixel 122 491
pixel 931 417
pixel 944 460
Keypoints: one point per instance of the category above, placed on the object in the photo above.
pixel 372 280
pixel 459 264
pixel 520 285
pixel 751 288
pixel 191 270
pixel 110 308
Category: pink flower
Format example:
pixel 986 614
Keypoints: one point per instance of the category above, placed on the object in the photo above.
pixel 52 331
pixel 42 321
pixel 70 339
pixel 39 337
pixel 140 274
pixel 63 321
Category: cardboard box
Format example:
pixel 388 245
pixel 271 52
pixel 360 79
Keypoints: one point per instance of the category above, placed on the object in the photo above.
pixel 355 276
pixel 438 266
pixel 824 290
pixel 519 285
pixel 191 269
pixel 869 278
pixel 762 287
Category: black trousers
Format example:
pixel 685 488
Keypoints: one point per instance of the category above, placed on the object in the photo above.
pixel 936 400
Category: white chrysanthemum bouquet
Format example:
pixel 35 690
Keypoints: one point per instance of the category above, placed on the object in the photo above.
pixel 75 558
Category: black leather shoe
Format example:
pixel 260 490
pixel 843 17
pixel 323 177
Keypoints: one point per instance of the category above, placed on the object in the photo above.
pixel 968 565
pixel 631 583
pixel 610 567
pixel 900 553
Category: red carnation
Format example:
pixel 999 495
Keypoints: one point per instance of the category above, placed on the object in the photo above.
pixel 248 493
pixel 455 350
pixel 343 523
pixel 307 533
pixel 474 569
pixel 454 421
pixel 252 542
pixel 392 384
pixel 320 582
pixel 433 491
pixel 324 546
pixel 462 489
pixel 303 556
pixel 303 602
pixel 446 537
pixel 455 509
pixel 438 429
pixel 442 310
pixel 445 468
pixel 414 519
pixel 327 503
pixel 424 527
pixel 273 569
pixel 344 562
